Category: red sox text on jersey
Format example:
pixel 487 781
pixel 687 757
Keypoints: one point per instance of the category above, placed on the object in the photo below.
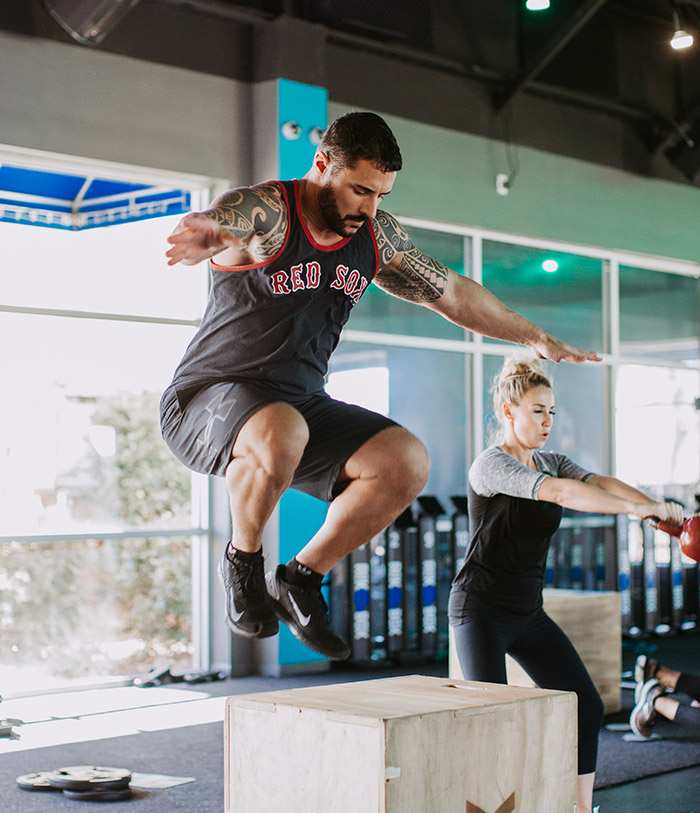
pixel 308 275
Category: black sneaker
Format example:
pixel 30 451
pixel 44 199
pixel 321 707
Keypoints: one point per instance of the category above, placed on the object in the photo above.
pixel 644 715
pixel 248 608
pixel 305 612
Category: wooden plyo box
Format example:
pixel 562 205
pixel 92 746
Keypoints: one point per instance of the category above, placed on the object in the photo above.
pixel 592 621
pixel 401 745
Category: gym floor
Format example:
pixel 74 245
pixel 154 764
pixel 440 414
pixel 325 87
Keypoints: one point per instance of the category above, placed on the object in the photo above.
pixel 127 724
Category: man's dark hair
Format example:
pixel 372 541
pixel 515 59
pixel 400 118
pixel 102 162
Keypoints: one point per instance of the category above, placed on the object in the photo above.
pixel 356 136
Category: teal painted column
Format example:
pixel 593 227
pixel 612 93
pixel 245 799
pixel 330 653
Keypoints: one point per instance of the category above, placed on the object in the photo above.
pixel 305 106
pixel 302 115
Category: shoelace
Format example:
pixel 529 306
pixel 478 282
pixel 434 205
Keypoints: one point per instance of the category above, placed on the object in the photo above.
pixel 248 581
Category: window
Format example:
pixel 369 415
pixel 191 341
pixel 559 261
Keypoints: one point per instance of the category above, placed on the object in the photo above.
pixel 658 316
pixel 657 430
pixel 426 394
pixel 560 291
pixel 100 521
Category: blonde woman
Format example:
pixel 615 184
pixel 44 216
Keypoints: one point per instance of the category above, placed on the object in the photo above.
pixel 516 494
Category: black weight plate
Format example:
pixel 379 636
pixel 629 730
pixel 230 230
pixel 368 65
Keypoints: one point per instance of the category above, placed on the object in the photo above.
pixel 35 781
pixel 98 795
pixel 89 777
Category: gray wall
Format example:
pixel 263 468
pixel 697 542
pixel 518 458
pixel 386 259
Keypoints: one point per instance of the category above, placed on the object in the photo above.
pixel 450 176
pixel 67 99
pixel 80 102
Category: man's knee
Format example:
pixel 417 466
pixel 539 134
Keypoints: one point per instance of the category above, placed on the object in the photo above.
pixel 417 465
pixel 404 463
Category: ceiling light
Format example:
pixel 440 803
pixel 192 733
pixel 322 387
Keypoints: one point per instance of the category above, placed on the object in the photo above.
pixel 536 5
pixel 680 39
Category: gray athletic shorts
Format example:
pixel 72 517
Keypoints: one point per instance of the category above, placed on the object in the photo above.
pixel 201 434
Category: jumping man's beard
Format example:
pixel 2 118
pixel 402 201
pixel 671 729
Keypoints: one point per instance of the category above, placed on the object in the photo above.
pixel 331 213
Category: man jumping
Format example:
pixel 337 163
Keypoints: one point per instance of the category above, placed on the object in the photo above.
pixel 247 401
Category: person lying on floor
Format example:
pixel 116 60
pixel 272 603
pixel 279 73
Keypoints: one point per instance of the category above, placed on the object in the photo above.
pixel 654 683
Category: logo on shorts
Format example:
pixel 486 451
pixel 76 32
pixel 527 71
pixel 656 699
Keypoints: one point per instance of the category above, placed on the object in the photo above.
pixel 219 408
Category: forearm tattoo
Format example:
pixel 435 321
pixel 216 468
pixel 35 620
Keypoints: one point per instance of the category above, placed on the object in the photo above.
pixel 406 272
pixel 256 214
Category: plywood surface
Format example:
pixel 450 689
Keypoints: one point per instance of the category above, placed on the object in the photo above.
pixel 391 697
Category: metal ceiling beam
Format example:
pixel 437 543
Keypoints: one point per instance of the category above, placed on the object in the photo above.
pixel 491 78
pixel 536 65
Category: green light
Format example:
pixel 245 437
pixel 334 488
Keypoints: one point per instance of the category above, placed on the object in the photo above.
pixel 536 5
pixel 550 266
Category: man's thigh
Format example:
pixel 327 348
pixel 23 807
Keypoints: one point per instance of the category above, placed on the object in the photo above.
pixel 202 434
pixel 336 431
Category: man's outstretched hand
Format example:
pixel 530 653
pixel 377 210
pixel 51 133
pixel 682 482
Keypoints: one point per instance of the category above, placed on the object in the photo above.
pixel 554 350
pixel 195 238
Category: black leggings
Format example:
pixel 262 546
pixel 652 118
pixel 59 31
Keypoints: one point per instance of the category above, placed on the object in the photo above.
pixel 688 716
pixel 689 684
pixel 546 654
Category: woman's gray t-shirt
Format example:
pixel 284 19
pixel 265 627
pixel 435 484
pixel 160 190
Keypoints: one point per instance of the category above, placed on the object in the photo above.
pixel 510 531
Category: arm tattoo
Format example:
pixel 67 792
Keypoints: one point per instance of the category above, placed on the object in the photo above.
pixel 257 216
pixel 391 238
pixel 406 272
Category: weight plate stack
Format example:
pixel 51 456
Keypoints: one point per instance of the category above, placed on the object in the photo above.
pixel 36 781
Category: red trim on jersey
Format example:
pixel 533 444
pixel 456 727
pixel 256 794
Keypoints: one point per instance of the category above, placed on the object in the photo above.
pixel 334 246
pixel 376 250
pixel 218 267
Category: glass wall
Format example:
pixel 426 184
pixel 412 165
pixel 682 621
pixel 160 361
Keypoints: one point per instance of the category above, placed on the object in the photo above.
pixel 659 319
pixel 657 430
pixel 425 392
pixel 656 421
pixel 635 420
pixel 86 609
pixel 79 434
pixel 560 291
pixel 100 522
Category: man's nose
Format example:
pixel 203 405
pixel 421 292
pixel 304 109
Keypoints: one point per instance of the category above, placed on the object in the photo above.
pixel 369 207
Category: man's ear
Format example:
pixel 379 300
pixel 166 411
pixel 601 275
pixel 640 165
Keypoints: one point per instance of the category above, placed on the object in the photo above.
pixel 321 163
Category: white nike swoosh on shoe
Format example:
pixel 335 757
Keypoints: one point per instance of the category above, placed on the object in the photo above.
pixel 303 619
pixel 234 615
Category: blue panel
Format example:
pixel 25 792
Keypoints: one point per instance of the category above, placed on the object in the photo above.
pixel 42 184
pixel 300 516
pixel 307 106
pixel 144 201
pixel 100 188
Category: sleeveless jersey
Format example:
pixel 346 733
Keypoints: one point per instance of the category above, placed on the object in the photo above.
pixel 276 324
